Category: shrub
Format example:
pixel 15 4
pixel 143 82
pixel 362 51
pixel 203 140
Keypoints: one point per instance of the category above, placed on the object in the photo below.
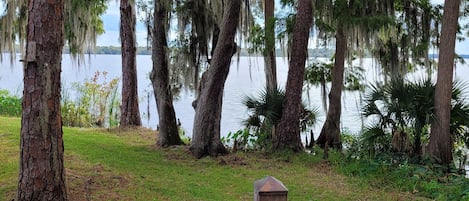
pixel 264 113
pixel 403 111
pixel 96 103
pixel 9 105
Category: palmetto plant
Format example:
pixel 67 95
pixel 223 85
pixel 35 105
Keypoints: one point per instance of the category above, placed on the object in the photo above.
pixel 407 107
pixel 459 125
pixel 265 112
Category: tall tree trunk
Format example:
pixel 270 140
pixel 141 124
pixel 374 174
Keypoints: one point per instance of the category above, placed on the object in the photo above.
pixel 130 113
pixel 42 174
pixel 270 65
pixel 288 132
pixel 168 132
pixel 206 132
pixel 330 132
pixel 441 143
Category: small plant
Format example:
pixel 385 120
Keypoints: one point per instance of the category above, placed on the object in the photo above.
pixel 96 104
pixel 240 140
pixel 75 114
pixel 9 105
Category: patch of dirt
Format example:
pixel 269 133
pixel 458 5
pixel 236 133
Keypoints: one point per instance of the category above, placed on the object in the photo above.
pixel 94 182
pixel 232 159
pixel 180 152
pixel 324 167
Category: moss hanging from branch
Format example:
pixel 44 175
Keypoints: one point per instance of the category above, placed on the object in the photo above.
pixel 407 42
pixel 82 25
pixel 13 27
pixel 197 32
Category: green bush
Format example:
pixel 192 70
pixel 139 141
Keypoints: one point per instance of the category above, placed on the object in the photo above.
pixel 75 114
pixel 9 105
pixel 264 113
pixel 403 112
pixel 96 103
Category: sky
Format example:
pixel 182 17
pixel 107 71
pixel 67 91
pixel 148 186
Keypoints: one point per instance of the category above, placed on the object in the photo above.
pixel 111 21
pixel 111 26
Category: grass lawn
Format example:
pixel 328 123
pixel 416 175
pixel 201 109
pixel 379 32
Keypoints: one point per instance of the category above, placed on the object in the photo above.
pixel 125 165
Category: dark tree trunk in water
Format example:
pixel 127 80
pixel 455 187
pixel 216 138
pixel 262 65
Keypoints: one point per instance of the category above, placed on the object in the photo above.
pixel 288 130
pixel 168 132
pixel 206 132
pixel 330 132
pixel 270 65
pixel 311 142
pixel 41 172
pixel 440 145
pixel 130 113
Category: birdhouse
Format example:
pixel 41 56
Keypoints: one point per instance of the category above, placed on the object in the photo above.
pixel 269 189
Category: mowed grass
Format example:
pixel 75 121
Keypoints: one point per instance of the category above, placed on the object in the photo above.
pixel 125 165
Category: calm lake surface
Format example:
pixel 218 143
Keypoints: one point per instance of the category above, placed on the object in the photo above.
pixel 245 78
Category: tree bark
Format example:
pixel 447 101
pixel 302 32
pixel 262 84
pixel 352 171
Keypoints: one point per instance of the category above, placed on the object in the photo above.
pixel 206 132
pixel 41 172
pixel 130 113
pixel 440 145
pixel 288 130
pixel 270 65
pixel 168 132
pixel 330 132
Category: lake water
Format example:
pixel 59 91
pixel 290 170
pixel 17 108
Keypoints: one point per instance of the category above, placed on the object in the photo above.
pixel 245 78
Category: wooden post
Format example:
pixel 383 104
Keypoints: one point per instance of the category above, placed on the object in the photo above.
pixel 270 189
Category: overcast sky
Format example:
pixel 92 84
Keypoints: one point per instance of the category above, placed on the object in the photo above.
pixel 111 21
pixel 111 25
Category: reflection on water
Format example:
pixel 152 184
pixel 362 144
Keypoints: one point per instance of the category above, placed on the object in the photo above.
pixel 245 78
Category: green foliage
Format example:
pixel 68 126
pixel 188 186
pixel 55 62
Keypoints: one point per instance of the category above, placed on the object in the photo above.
pixel 460 113
pixel 9 105
pixel 75 113
pixel 425 179
pixel 318 73
pixel 265 112
pixel 354 78
pixel 403 111
pixel 97 103
pixel 256 39
pixel 243 139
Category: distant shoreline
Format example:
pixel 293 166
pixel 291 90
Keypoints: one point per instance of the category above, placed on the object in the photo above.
pixel 115 50
pixel 318 52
